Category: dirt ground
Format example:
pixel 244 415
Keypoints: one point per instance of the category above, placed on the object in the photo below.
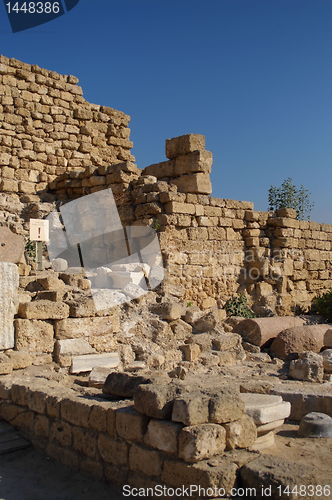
pixel 31 475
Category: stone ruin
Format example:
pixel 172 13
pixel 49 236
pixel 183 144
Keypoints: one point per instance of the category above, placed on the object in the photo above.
pixel 171 391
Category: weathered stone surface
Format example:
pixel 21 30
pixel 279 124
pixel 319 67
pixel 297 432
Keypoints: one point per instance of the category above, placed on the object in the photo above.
pixel 309 367
pixel 130 424
pixel 203 441
pixel 124 385
pixel 184 144
pixel 197 161
pixel 8 303
pixel 169 311
pixel 191 409
pixel 155 400
pixel 258 331
pixel 191 352
pixel 44 309
pixel 263 408
pixel 327 360
pixel 206 322
pixel 328 338
pixel 305 398
pixel 19 359
pixel 268 471
pixel 87 362
pixel 316 425
pixel 241 433
pixel 60 265
pixel 87 327
pixel 144 460
pixel 194 183
pixel 34 335
pixel 11 246
pixel 226 406
pixel 64 350
pixel 299 339
pixel 163 435
pixel 98 377
pixel 6 366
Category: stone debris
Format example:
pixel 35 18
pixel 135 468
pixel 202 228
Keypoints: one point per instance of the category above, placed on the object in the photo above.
pixel 309 367
pixel 327 360
pixel 259 331
pixel 299 339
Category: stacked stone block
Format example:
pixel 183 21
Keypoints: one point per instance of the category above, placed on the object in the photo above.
pixel 114 441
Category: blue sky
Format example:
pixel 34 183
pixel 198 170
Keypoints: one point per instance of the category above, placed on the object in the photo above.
pixel 254 76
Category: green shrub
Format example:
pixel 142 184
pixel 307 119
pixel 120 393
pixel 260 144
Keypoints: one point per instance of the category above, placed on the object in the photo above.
pixel 30 250
pixel 238 306
pixel 323 305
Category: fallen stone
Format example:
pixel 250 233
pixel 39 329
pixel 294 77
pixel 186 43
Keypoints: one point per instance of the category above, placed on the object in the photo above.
pixel 155 400
pixel 309 367
pixel 11 246
pixel 163 435
pixel 299 339
pixel 264 441
pixel 181 329
pixel 98 377
pixel 169 311
pixel 193 313
pixel 9 280
pixel 327 360
pixel 124 385
pixel 203 441
pixel 206 322
pixel 191 352
pixel 264 408
pixel 259 331
pixel 270 426
pixel 87 362
pixel 255 349
pixel 191 409
pixel 316 425
pixel 268 471
pixel 241 433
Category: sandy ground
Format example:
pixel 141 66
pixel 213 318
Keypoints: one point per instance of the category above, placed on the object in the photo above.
pixel 31 475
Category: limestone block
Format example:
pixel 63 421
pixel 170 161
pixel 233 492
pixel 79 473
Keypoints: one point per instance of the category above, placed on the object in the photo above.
pixel 34 336
pixel 200 442
pixel 169 311
pixel 86 327
pixel 11 246
pixel 327 360
pixel 225 406
pixel 191 409
pixel 59 265
pixel 87 362
pixel 309 367
pixel 328 338
pixel 144 460
pixel 65 349
pixel 241 433
pixel 9 281
pixel 163 436
pixel 112 451
pixel 44 309
pixel 130 424
pixel 184 144
pixel 155 400
pixel 194 183
pixel 6 366
pixel 160 170
pixel 124 385
pixel 270 426
pixel 316 425
pixel 197 161
pixel 265 408
pixel 19 359
pixel 191 352
pixel 264 441
pixel 98 377
pixel 259 330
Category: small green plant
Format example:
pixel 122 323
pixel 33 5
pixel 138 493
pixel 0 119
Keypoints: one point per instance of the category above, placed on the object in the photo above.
pixel 156 225
pixel 30 249
pixel 190 304
pixel 238 306
pixel 323 305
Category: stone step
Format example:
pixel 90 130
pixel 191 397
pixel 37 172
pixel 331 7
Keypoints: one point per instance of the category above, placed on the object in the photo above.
pixel 270 426
pixel 264 408
pixel 87 362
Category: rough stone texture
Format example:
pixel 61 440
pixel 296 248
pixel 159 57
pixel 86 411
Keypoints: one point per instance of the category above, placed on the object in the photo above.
pixel 309 367
pixel 184 144
pixel 299 339
pixel 264 408
pixel 11 246
pixel 316 425
pixel 258 331
pixel 87 362
pixel 328 338
pixel 241 434
pixel 65 349
pixel 154 400
pixel 327 360
pixel 8 303
pixel 269 471
pixel 203 441
pixel 191 409
pixel 163 435
pixel 44 309
pixel 34 335
pixel 225 407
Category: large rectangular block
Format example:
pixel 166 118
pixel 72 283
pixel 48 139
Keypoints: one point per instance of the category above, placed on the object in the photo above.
pixel 9 280
pixel 184 144
pixel 70 328
pixel 87 362
pixel 44 309
pixel 194 183
pixel 160 170
pixel 200 442
pixel 197 161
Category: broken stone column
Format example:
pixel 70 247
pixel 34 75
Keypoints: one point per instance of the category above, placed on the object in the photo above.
pixel 9 281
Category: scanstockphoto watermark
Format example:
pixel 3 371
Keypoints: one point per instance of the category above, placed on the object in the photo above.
pixel 24 15
pixel 122 263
